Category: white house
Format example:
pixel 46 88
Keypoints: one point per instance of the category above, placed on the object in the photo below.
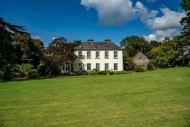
pixel 96 55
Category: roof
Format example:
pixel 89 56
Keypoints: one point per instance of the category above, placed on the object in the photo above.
pixel 107 44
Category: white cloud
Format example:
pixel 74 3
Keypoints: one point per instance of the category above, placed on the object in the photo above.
pixel 159 35
pixel 36 37
pixel 169 20
pixel 118 12
pixel 111 12
pixel 144 13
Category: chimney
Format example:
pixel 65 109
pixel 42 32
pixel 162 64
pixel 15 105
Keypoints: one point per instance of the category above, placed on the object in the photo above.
pixel 107 40
pixel 90 40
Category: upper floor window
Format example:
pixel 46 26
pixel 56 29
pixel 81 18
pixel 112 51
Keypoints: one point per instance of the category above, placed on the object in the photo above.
pixel 115 66
pixel 106 66
pixel 80 54
pixel 106 55
pixel 98 66
pixel 97 54
pixel 88 55
pixel 88 66
pixel 115 54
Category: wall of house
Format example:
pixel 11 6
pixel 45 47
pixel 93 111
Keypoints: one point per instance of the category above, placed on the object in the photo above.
pixel 111 60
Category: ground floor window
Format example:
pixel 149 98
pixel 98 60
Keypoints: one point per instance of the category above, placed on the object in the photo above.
pixel 115 66
pixel 106 66
pixel 80 66
pixel 98 66
pixel 88 66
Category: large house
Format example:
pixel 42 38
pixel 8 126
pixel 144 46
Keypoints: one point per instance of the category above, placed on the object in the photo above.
pixel 96 55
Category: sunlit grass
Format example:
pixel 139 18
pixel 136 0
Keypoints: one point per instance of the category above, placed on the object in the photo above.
pixel 159 98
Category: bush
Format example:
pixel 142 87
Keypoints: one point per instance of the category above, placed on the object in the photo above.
pixel 8 72
pixel 105 72
pixel 56 70
pixel 92 72
pixel 42 70
pixel 138 68
pixel 73 73
pixel 1 74
pixel 83 72
pixel 151 66
pixel 33 73
pixel 189 64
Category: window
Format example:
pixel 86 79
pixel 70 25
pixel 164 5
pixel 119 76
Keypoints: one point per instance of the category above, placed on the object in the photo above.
pixel 115 66
pixel 80 66
pixel 106 55
pixel 115 54
pixel 80 54
pixel 98 66
pixel 106 66
pixel 67 67
pixel 97 54
pixel 88 66
pixel 88 55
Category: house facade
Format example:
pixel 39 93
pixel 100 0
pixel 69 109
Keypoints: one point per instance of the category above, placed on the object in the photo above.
pixel 91 55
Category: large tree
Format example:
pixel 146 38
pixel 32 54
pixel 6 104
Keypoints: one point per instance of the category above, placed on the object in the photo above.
pixel 59 51
pixel 134 44
pixel 185 34
pixel 7 51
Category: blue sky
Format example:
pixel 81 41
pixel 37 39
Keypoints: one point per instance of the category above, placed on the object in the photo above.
pixel 98 19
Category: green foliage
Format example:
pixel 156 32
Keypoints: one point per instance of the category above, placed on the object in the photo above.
pixel 92 72
pixel 189 64
pixel 138 68
pixel 134 44
pixel 105 72
pixel 151 66
pixel 8 72
pixel 42 69
pixel 73 73
pixel 83 72
pixel 165 55
pixel 33 74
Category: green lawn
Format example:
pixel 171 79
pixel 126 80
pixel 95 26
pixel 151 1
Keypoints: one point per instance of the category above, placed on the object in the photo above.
pixel 159 98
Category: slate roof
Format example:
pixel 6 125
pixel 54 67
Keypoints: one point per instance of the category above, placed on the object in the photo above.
pixel 107 44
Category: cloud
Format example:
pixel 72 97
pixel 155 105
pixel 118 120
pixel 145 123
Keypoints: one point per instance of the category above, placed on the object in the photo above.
pixel 36 37
pixel 159 35
pixel 143 13
pixel 111 12
pixel 118 12
pixel 169 20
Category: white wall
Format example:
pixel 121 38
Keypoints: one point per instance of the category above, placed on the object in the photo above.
pixel 102 60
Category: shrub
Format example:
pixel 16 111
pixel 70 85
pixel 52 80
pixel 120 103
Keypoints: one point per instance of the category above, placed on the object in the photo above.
pixel 83 72
pixel 56 70
pixel 42 70
pixel 189 64
pixel 1 74
pixel 73 73
pixel 92 72
pixel 105 72
pixel 25 68
pixel 8 72
pixel 151 66
pixel 138 68
pixel 33 73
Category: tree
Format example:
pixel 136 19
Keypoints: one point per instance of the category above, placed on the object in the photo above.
pixel 165 55
pixel 58 51
pixel 135 44
pixel 7 52
pixel 185 34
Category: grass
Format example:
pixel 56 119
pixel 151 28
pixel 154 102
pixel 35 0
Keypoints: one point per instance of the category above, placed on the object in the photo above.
pixel 158 98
